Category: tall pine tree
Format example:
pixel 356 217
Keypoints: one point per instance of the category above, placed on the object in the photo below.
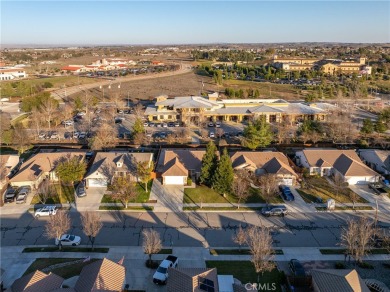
pixel 257 134
pixel 223 177
pixel 209 164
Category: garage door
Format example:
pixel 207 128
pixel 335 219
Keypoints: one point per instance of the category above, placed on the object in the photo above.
pixel 95 182
pixel 174 180
pixel 287 181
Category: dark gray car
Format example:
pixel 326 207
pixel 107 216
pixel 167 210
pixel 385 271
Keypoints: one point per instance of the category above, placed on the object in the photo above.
pixel 80 190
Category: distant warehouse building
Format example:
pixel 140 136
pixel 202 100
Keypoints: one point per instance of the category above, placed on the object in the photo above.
pixel 10 73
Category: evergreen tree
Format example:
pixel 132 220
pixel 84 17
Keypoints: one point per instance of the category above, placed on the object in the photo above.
pixel 257 134
pixel 222 180
pixel 209 164
pixel 138 127
pixel 368 127
pixel 380 126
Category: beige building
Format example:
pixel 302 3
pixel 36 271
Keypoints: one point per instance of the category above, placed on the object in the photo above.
pixel 188 109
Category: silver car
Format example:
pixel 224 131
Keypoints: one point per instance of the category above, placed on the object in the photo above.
pixel 80 190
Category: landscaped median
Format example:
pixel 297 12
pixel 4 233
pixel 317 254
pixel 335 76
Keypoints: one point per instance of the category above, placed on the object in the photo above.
pixel 65 249
pixel 343 251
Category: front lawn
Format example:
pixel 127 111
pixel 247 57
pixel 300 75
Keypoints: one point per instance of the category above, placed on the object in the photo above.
pixel 242 251
pixel 319 187
pixel 245 272
pixel 204 194
pixel 66 249
pixel 142 197
pixel 65 272
pixel 59 195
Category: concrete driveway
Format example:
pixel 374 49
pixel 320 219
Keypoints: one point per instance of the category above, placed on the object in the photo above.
pixel 169 198
pixel 91 201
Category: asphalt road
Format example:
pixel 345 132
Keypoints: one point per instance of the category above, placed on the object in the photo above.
pixel 319 229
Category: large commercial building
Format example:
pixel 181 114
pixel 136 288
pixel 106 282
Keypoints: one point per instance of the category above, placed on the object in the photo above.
pixel 195 108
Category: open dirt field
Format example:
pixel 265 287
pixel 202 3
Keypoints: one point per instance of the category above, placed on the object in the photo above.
pixel 147 89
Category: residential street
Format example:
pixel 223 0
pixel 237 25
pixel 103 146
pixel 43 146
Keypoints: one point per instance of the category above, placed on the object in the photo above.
pixel 191 229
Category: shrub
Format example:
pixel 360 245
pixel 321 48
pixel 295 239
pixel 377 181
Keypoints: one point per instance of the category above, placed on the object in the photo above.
pixel 151 264
pixel 339 265
pixel 189 181
pixel 365 265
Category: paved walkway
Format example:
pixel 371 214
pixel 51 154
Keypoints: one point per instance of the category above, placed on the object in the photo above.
pixel 137 275
pixel 169 198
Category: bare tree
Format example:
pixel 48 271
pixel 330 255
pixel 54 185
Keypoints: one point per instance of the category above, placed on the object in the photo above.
pixel 91 225
pixel 139 138
pixel 139 110
pixel 240 237
pixel 44 191
pixel 259 241
pixel 357 236
pixel 57 226
pixel 183 135
pixel 151 243
pixel 48 108
pixel 105 137
pixel 283 131
pixel 354 197
pixel 123 189
pixel 21 139
pixel 241 186
pixel 339 182
pixel 268 186
pixel 36 120
pixel 315 137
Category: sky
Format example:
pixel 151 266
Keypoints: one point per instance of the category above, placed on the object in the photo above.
pixel 192 22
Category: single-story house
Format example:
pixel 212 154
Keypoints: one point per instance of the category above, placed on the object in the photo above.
pixel 100 275
pixel 174 166
pixel 192 279
pixel 329 280
pixel 378 160
pixel 328 162
pixel 263 163
pixel 37 282
pixel 108 165
pixel 42 165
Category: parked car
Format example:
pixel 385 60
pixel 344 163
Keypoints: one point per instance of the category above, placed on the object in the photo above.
pixel 165 125
pixel 82 135
pixel 76 135
pixel 21 197
pixel 211 124
pixel 80 190
pixel 54 135
pixel 297 268
pixel 212 135
pixel 274 211
pixel 68 239
pixel 146 124
pixel 46 211
pixel 68 123
pixel 161 274
pixel 42 136
pixel 10 195
pixel 286 193
pixel 218 124
pixel 171 124
pixel 177 124
pixel 151 124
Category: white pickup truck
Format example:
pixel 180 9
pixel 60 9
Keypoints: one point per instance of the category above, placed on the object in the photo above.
pixel 161 274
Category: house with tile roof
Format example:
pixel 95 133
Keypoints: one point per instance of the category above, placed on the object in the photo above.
pixel 330 280
pixel 378 160
pixel 37 282
pixel 108 165
pixel 328 162
pixel 192 108
pixel 265 162
pixel 174 166
pixel 100 275
pixel 43 165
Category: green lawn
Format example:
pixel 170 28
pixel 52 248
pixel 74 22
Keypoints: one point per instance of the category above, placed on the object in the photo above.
pixel 59 195
pixel 119 208
pixel 66 272
pixel 243 251
pixel 320 187
pixel 205 194
pixel 346 208
pixel 142 197
pixel 245 272
pixel 233 209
